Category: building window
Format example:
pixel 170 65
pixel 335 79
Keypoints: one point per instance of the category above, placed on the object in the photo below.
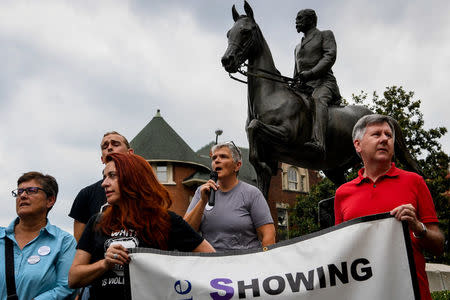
pixel 292 179
pixel 283 221
pixel 164 173
pixel 161 173
pixel 302 183
pixel 282 218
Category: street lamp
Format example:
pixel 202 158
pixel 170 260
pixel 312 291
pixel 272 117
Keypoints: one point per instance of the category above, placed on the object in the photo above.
pixel 218 132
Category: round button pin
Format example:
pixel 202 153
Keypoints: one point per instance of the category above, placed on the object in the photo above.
pixel 44 250
pixel 34 259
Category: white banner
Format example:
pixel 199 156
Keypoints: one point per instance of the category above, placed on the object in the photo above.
pixel 366 258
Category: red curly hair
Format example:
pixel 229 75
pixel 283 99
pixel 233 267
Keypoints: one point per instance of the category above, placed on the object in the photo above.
pixel 143 204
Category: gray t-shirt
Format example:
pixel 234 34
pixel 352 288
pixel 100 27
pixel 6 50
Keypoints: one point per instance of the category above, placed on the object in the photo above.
pixel 231 223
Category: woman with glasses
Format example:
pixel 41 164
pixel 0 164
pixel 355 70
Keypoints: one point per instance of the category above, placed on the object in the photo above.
pixel 137 216
pixel 240 217
pixel 38 254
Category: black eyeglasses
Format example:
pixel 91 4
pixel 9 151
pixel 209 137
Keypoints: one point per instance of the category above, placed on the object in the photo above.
pixel 29 190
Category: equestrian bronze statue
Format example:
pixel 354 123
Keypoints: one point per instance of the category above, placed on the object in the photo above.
pixel 280 117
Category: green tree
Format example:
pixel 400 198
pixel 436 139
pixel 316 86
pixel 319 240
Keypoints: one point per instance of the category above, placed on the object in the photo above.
pixel 400 105
pixel 422 143
pixel 304 215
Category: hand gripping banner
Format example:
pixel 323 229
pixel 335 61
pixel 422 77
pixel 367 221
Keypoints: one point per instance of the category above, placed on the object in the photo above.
pixel 366 258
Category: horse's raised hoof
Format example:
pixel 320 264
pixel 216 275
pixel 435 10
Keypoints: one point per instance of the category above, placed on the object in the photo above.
pixel 317 149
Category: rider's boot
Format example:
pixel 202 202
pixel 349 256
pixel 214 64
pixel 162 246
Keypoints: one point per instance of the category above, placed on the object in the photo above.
pixel 320 118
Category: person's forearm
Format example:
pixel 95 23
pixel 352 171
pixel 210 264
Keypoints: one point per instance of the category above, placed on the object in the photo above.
pixel 433 241
pixel 268 240
pixel 83 275
pixel 194 217
pixel 266 234
pixel 78 229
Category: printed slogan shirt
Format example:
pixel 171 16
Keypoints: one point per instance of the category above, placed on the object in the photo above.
pixel 111 284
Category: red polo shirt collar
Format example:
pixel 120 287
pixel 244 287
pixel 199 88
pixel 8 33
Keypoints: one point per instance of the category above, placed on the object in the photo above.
pixel 392 172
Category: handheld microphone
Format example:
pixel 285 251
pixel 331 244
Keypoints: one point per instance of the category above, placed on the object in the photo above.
pixel 212 196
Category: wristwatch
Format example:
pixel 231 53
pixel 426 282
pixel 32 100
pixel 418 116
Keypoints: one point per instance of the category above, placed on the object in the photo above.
pixel 422 233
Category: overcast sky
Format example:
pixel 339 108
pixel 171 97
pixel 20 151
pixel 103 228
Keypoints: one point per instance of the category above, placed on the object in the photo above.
pixel 72 70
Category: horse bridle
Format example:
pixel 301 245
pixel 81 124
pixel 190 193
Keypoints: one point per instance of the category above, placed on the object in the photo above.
pixel 260 73
pixel 281 78
pixel 241 50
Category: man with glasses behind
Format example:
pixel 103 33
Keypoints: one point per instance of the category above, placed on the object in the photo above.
pixel 240 217
pixel 91 198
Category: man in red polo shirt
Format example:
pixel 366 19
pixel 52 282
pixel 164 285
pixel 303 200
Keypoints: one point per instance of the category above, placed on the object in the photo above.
pixel 381 187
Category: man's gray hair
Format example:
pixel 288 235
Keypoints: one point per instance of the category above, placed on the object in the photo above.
pixel 360 127
pixel 235 151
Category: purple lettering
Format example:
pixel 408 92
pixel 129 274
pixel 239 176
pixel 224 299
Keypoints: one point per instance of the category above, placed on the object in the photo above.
pixel 218 284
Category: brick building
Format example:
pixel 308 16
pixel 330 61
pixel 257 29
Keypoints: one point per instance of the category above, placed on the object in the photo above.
pixel 181 170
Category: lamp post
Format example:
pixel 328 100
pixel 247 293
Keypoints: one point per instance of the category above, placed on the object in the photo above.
pixel 218 132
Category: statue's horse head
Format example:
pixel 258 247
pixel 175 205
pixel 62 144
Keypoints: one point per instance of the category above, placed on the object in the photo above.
pixel 241 39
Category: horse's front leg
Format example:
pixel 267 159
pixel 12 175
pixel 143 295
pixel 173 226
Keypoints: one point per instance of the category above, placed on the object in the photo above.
pixel 259 155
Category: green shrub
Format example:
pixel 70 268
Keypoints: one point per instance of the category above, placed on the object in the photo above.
pixel 440 295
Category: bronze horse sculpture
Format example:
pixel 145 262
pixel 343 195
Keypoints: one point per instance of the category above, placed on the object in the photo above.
pixel 280 118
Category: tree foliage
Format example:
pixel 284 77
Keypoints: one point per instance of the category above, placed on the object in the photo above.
pixel 400 105
pixel 422 143
pixel 304 216
pixel 440 295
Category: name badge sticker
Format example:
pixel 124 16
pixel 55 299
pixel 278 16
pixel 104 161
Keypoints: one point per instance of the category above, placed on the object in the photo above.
pixel 34 259
pixel 44 250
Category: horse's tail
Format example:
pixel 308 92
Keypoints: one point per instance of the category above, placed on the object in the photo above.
pixel 401 151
